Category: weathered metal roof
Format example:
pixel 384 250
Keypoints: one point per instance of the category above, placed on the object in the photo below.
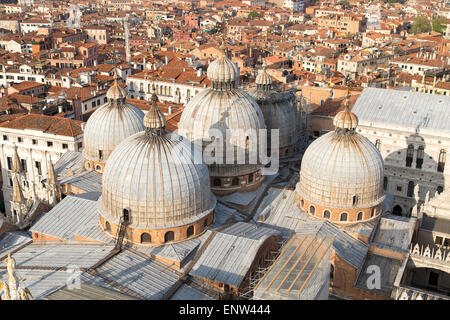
pixel 73 215
pixel 71 161
pixel 388 267
pixel 228 257
pixel 172 251
pixel 435 224
pixel 59 255
pixel 13 240
pixel 87 292
pixel 148 278
pixel 300 271
pixel 186 292
pixel 88 181
pixel 409 109
pixel 395 232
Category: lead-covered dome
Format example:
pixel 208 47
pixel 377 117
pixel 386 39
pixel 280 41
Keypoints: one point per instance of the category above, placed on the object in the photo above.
pixel 342 172
pixel 109 125
pixel 223 71
pixel 279 113
pixel 154 176
pixel 232 112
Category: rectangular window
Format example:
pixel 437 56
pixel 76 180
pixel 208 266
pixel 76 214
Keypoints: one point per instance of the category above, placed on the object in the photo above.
pixel 34 141
pixel 399 188
pixel 5 137
pixel 438 240
pixel 37 164
pixel 9 163
pixel 19 139
pixel 23 162
pixel 65 146
pixel 49 144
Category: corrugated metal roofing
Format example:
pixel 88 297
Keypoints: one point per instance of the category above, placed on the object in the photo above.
pixel 186 292
pixel 70 161
pixel 175 251
pixel 12 240
pixel 87 292
pixel 73 215
pixel 410 109
pixel 59 255
pixel 148 278
pixel 229 256
pixel 88 181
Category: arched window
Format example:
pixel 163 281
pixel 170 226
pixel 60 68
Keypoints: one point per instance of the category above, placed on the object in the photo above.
pixel 98 168
pixel 420 156
pixel 360 216
pixel 235 181
pixel 409 155
pixel 440 189
pixel 331 272
pixel 217 182
pixel 169 236
pixel 378 144
pixel 385 183
pixel 141 87
pixel 441 161
pixel 372 212
pixel 146 238
pixel 205 224
pixel 302 203
pixel 355 200
pixel 250 178
pixel 397 210
pixel 410 192
pixel 312 209
pixel 107 226
pixel 327 214
pixel 190 231
pixel 344 216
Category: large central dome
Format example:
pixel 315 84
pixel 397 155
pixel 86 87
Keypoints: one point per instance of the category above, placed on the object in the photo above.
pixel 153 176
pixel 341 174
pixel 233 112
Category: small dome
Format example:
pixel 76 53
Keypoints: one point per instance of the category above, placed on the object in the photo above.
pixel 154 118
pixel 116 92
pixel 346 120
pixel 223 70
pixel 157 179
pixel 263 77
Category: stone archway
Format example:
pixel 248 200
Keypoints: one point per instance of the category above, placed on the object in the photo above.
pixel 397 211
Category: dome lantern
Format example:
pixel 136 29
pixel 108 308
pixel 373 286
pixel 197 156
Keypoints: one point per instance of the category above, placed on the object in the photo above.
pixel 116 94
pixel 346 121
pixel 154 120
pixel 263 79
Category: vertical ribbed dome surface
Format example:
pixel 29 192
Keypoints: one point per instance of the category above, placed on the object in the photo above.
pixel 108 126
pixel 233 110
pixel 223 70
pixel 156 177
pixel 336 167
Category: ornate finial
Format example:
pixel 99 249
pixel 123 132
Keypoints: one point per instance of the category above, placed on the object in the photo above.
pixel 17 166
pixel 224 29
pixel 17 196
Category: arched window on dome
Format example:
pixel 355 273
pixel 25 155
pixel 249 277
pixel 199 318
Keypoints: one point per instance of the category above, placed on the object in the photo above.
pixel 190 231
pixel 326 214
pixel 344 216
pixel 331 272
pixel 409 155
pixel 250 178
pixel 205 224
pixel 385 183
pixel 312 209
pixel 217 182
pixel 146 238
pixel 169 236
pixel 372 212
pixel 235 181
pixel 355 200
pixel 107 226
pixel 410 192
pixel 302 203
pixel 360 216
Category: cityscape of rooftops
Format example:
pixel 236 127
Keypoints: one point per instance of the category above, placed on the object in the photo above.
pixel 243 151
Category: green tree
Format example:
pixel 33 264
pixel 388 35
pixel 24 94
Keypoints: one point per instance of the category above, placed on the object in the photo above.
pixel 420 25
pixel 439 24
pixel 253 14
pixel 344 3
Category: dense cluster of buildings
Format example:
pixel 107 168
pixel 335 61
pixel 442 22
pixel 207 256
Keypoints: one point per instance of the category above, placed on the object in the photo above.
pixel 105 107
